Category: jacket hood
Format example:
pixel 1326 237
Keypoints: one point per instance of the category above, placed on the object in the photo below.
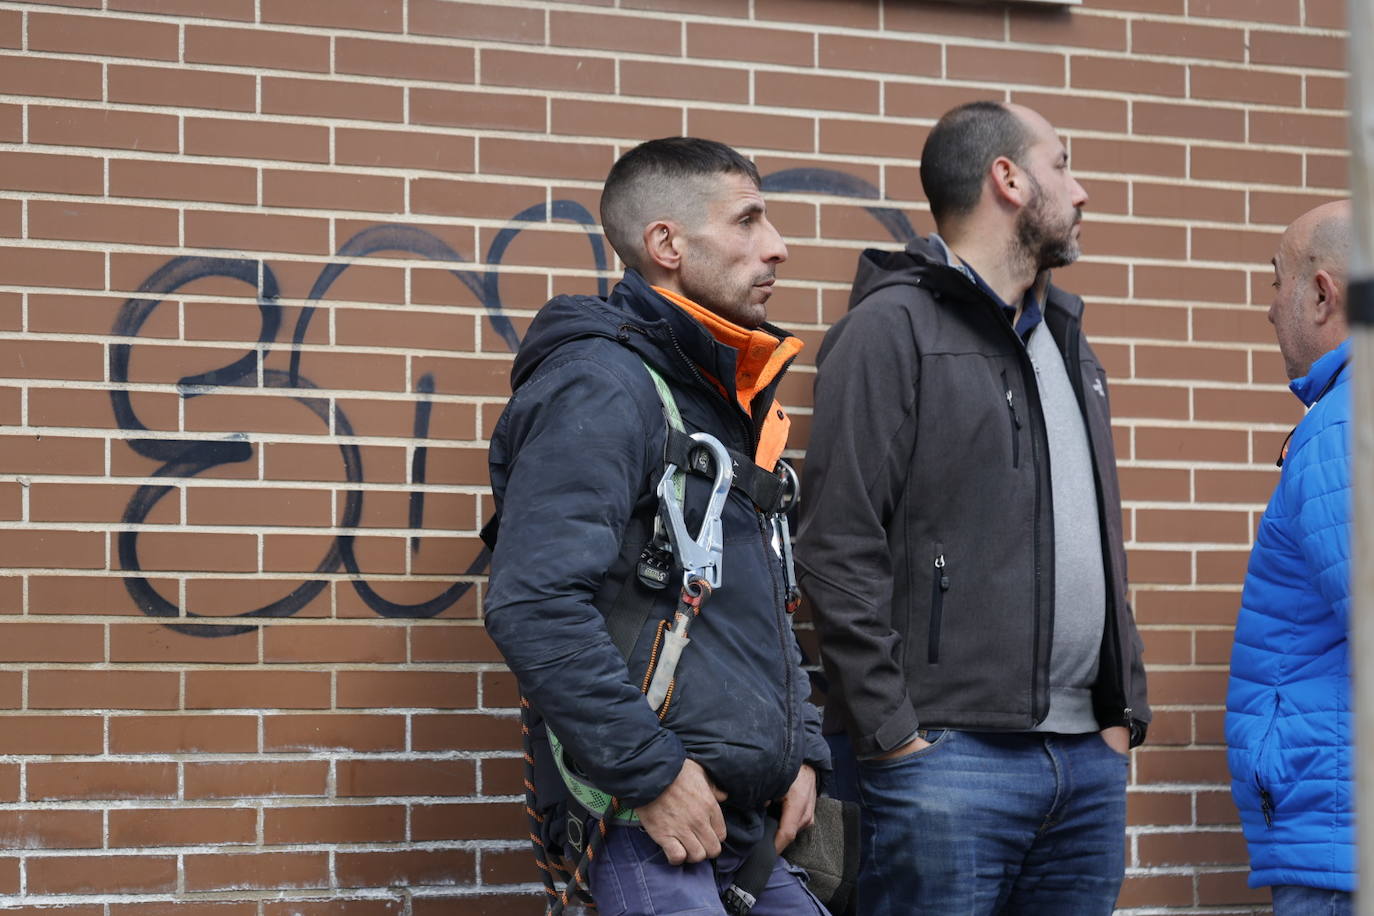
pixel 636 316
pixel 922 263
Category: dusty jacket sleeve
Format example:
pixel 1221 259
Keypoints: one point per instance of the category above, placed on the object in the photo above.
pixel 862 436
pixel 573 448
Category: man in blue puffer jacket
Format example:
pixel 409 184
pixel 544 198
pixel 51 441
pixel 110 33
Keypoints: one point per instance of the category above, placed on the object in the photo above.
pixel 1288 723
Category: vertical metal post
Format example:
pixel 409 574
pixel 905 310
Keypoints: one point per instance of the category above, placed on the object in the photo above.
pixel 1360 57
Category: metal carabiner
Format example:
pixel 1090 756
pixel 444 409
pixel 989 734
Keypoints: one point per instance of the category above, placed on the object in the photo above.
pixel 700 557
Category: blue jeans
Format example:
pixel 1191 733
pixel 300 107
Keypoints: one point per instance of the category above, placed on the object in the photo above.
pixel 1293 900
pixel 984 823
pixel 631 877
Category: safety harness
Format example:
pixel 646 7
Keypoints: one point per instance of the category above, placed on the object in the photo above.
pixel 699 558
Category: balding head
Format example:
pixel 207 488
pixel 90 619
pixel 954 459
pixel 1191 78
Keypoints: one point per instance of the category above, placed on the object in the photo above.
pixel 1310 271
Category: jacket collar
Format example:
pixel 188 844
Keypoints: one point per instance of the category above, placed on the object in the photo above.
pixel 1322 375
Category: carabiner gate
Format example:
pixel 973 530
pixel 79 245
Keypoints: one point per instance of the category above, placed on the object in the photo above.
pixel 700 557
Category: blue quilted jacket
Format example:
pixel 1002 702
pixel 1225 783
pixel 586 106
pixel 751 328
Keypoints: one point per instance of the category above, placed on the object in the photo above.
pixel 1288 723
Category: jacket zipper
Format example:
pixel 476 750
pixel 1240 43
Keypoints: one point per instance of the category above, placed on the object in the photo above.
pixel 1266 800
pixel 1015 417
pixel 939 584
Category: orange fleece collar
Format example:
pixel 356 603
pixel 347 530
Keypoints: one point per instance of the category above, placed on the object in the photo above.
pixel 760 358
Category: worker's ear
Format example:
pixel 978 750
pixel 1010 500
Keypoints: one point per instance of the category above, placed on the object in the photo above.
pixel 1329 304
pixel 663 244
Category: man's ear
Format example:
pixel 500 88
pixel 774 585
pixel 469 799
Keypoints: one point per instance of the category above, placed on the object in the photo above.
pixel 1009 182
pixel 662 244
pixel 1328 303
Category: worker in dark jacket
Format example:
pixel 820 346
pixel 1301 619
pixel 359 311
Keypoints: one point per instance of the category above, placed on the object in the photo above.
pixel 961 547
pixel 575 462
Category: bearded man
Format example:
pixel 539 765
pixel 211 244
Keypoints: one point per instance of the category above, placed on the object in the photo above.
pixel 961 547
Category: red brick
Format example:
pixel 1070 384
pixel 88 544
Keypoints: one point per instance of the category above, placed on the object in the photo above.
pixel 409 150
pixel 334 731
pixel 1320 130
pixel 155 643
pixel 744 129
pixel 363 15
pixel 82 221
pixel 183 181
pixel 1001 64
pixel 102 874
pixel 171 734
pixel 331 99
pixel 103 128
pixel 257 689
pixel 613 33
pixel 406 689
pixel 105 36
pixel 332 191
pixel 661 79
pixel 1282 12
pixel 406 868
pixel 1191 848
pixel 205 9
pixel 62 734
pixel 404 60
pixel 252 779
pixel 1245 85
pixel 345 824
pixel 1171 201
pixel 378 778
pixel 51 77
pixel 182 88
pixel 1062 27
pixel 256 48
pixel 50 829
pixel 476 20
pixel 585 161
pixel 103 689
pixel 540 70
pixel 257 871
pixel 1325 14
pixel 46 172
pixel 1258 166
pixel 834 93
pixel 615 119
pixel 257 232
pixel 101 780
pixel 1176 40
pixel 449 108
pixel 468 821
pixel 712 41
pixel 1128 157
pixel 181 827
pixel 334 643
pixel 1189 121
pixel 883 55
pixel 44 549
pixel 1291 49
pixel 1126 75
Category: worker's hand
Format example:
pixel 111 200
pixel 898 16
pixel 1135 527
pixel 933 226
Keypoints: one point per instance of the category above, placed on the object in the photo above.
pixel 685 820
pixel 911 747
pixel 798 808
pixel 1118 738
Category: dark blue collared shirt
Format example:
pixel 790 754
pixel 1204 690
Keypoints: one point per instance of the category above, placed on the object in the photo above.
pixel 1030 306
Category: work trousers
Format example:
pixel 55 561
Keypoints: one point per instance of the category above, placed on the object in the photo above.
pixel 981 823
pixel 631 877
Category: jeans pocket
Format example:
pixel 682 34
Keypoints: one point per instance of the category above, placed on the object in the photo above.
pixel 938 738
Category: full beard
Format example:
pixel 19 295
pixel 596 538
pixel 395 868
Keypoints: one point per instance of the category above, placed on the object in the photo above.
pixel 1046 245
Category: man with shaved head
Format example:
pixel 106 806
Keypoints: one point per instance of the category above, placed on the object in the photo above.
pixel 961 547
pixel 597 467
pixel 1288 725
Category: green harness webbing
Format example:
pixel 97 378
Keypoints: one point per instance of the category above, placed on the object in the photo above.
pixel 590 797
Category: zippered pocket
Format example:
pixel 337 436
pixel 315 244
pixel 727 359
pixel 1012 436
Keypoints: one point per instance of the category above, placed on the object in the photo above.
pixel 939 584
pixel 1014 418
pixel 1266 799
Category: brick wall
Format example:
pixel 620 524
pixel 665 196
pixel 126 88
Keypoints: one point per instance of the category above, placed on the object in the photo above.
pixel 262 266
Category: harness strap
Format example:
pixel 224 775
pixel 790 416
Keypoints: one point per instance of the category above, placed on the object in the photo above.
pixel 765 490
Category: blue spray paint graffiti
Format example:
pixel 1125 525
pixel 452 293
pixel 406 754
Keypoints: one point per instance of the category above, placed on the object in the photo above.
pixel 186 458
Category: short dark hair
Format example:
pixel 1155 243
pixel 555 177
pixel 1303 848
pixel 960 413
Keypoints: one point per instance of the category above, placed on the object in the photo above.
pixel 647 183
pixel 959 150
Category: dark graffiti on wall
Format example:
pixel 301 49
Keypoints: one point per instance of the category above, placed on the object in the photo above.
pixel 184 458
